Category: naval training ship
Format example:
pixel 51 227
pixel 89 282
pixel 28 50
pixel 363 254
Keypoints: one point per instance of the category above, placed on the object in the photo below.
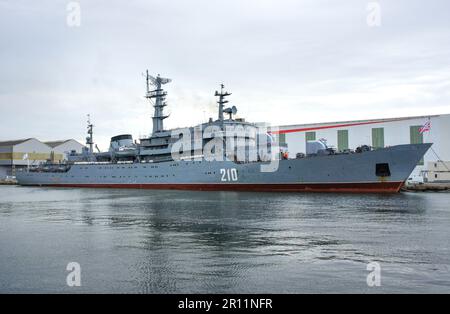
pixel 227 154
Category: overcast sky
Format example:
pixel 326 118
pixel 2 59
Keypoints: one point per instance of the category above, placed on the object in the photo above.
pixel 286 62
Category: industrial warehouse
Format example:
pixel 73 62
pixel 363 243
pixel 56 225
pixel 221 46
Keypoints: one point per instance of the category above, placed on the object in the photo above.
pixel 378 133
pixel 21 153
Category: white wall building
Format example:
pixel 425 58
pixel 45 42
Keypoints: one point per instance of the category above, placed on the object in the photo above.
pixel 20 153
pixel 65 147
pixel 377 133
pixel 16 154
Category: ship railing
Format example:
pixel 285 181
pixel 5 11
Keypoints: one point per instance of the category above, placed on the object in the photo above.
pixel 91 162
pixel 59 169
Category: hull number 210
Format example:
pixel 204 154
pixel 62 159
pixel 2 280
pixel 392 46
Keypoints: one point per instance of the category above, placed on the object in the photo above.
pixel 229 175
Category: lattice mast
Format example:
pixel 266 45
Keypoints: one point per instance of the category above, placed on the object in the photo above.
pixel 221 100
pixel 90 132
pixel 159 95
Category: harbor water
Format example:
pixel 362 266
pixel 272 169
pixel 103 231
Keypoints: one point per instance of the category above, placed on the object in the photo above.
pixel 145 241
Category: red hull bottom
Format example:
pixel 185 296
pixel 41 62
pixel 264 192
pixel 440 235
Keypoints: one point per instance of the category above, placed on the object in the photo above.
pixel 375 187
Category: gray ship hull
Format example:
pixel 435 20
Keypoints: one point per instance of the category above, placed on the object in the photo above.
pixel 354 172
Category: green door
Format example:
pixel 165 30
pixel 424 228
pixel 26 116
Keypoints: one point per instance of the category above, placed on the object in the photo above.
pixel 342 140
pixel 416 137
pixel 378 138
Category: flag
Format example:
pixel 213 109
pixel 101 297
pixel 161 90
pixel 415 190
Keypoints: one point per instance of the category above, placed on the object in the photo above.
pixel 426 127
pixel 25 156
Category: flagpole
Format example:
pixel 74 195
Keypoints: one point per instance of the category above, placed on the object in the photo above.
pixel 25 156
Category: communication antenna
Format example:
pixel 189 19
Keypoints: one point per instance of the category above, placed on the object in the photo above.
pixel 222 100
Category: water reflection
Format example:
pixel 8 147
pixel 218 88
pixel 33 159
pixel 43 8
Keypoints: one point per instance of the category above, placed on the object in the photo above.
pixel 178 241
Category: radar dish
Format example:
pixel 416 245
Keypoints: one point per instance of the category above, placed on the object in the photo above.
pixel 233 110
pixel 152 79
pixel 164 80
pixel 157 80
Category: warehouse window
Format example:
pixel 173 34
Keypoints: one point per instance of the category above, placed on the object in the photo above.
pixel 342 140
pixel 310 136
pixel 282 139
pixel 416 137
pixel 378 138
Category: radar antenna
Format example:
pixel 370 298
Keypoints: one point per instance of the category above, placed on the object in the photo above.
pixel 231 111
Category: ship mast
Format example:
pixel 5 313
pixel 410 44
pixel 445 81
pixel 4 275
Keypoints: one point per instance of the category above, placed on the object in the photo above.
pixel 222 100
pixel 159 95
pixel 90 137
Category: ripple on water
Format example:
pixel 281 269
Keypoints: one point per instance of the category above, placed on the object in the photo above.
pixel 181 241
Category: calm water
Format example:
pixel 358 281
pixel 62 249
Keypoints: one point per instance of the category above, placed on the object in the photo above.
pixel 213 242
